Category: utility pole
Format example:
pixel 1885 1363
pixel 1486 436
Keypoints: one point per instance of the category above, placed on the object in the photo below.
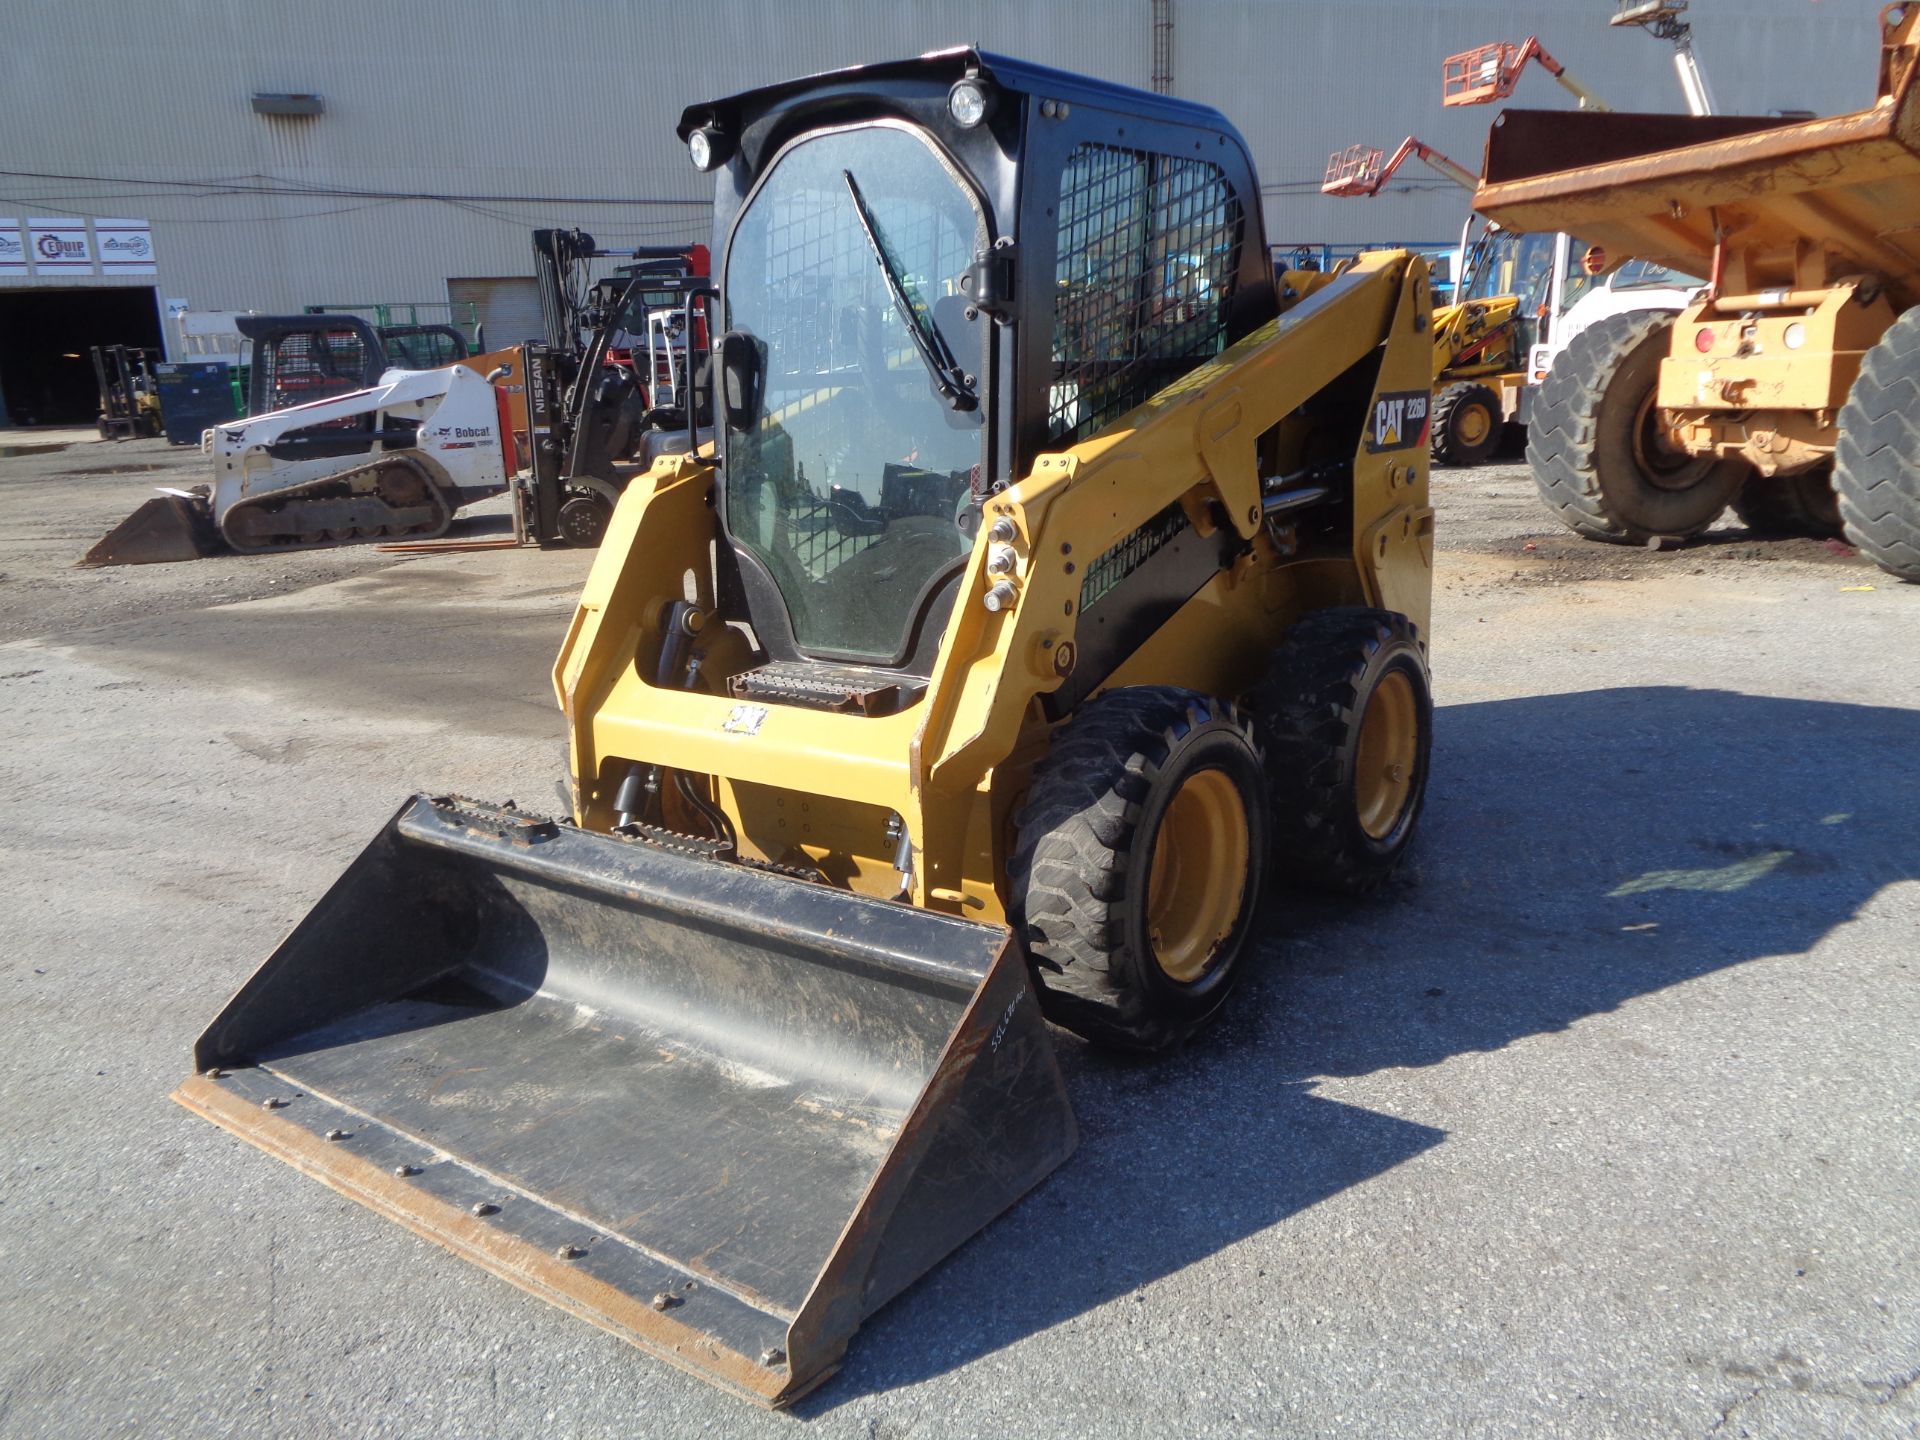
pixel 1163 47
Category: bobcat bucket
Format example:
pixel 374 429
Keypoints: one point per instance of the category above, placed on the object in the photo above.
pixel 173 525
pixel 723 1113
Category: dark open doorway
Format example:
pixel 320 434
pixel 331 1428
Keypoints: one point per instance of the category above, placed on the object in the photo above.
pixel 46 373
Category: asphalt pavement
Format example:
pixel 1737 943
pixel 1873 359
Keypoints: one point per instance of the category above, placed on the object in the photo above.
pixel 1601 1120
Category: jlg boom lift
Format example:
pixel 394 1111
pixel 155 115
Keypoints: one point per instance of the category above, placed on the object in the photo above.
pixel 1488 73
pixel 1046 590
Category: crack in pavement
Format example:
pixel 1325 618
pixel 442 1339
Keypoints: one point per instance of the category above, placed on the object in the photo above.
pixel 1878 1393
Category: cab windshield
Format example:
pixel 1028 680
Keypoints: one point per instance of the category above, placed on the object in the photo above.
pixel 855 480
pixel 1504 262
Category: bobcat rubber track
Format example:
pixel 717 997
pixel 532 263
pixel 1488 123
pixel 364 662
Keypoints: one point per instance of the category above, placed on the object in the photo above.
pixel 395 495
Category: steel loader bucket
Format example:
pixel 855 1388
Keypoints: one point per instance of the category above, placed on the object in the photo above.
pixel 722 1113
pixel 159 531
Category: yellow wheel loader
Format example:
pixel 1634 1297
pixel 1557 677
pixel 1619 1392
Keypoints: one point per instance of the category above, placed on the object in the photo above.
pixel 1786 387
pixel 1056 579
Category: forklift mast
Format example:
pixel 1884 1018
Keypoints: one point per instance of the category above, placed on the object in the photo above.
pixel 588 401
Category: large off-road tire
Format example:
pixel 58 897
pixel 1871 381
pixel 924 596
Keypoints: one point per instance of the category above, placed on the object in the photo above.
pixel 1876 468
pixel 1598 451
pixel 1345 720
pixel 1782 505
pixel 1138 865
pixel 1468 424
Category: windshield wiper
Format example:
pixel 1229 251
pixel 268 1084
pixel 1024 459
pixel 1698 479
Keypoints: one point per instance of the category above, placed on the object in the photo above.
pixel 948 377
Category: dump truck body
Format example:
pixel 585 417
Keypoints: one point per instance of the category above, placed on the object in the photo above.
pixel 1016 439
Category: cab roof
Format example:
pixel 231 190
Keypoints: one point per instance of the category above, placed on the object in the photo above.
pixel 944 67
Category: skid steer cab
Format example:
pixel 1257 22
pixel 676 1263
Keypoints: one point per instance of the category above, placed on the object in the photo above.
pixel 1055 579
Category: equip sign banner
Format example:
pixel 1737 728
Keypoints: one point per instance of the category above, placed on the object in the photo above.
pixel 13 250
pixel 126 247
pixel 59 245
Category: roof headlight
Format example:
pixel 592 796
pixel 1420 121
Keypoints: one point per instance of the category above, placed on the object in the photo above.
pixel 708 148
pixel 969 102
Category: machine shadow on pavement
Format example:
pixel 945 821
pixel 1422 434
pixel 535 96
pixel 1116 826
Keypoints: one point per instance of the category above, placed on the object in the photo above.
pixel 498 526
pixel 1558 876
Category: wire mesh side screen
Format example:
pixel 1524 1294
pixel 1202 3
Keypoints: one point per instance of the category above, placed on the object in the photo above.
pixel 1149 247
pixel 1129 553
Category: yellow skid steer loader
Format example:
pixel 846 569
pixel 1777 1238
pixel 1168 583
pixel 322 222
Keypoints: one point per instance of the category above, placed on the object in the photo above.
pixel 1056 578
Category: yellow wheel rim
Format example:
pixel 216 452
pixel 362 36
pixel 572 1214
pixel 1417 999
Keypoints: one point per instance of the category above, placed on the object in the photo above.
pixel 1389 747
pixel 1472 423
pixel 1198 876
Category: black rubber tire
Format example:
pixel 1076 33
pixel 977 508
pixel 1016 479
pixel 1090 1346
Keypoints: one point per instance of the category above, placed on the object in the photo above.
pixel 582 520
pixel 1785 505
pixel 1876 467
pixel 1581 440
pixel 1308 714
pixel 1084 851
pixel 1451 408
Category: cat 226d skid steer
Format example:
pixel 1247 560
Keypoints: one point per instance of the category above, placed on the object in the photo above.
pixel 1056 578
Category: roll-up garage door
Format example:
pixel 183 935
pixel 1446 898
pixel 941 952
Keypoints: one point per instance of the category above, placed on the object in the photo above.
pixel 509 308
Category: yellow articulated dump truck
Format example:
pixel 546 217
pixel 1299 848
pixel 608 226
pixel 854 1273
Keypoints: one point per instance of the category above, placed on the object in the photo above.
pixel 1054 580
pixel 1789 386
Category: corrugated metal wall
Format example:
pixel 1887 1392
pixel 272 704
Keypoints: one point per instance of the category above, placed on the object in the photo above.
pixel 513 115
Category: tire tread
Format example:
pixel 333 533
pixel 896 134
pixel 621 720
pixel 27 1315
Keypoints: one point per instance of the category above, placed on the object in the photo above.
pixel 1563 433
pixel 1306 707
pixel 1444 447
pixel 1076 832
pixel 1876 471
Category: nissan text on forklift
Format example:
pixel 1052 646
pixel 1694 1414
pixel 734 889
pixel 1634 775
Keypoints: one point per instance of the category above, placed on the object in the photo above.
pixel 1055 581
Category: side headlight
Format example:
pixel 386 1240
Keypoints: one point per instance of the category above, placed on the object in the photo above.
pixel 709 148
pixel 969 102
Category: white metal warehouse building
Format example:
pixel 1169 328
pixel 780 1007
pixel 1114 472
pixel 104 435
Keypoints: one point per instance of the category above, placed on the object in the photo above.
pixel 138 174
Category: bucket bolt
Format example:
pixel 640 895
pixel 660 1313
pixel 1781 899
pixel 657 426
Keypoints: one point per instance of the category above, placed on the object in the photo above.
pixel 665 1300
pixel 485 1207
pixel 773 1356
